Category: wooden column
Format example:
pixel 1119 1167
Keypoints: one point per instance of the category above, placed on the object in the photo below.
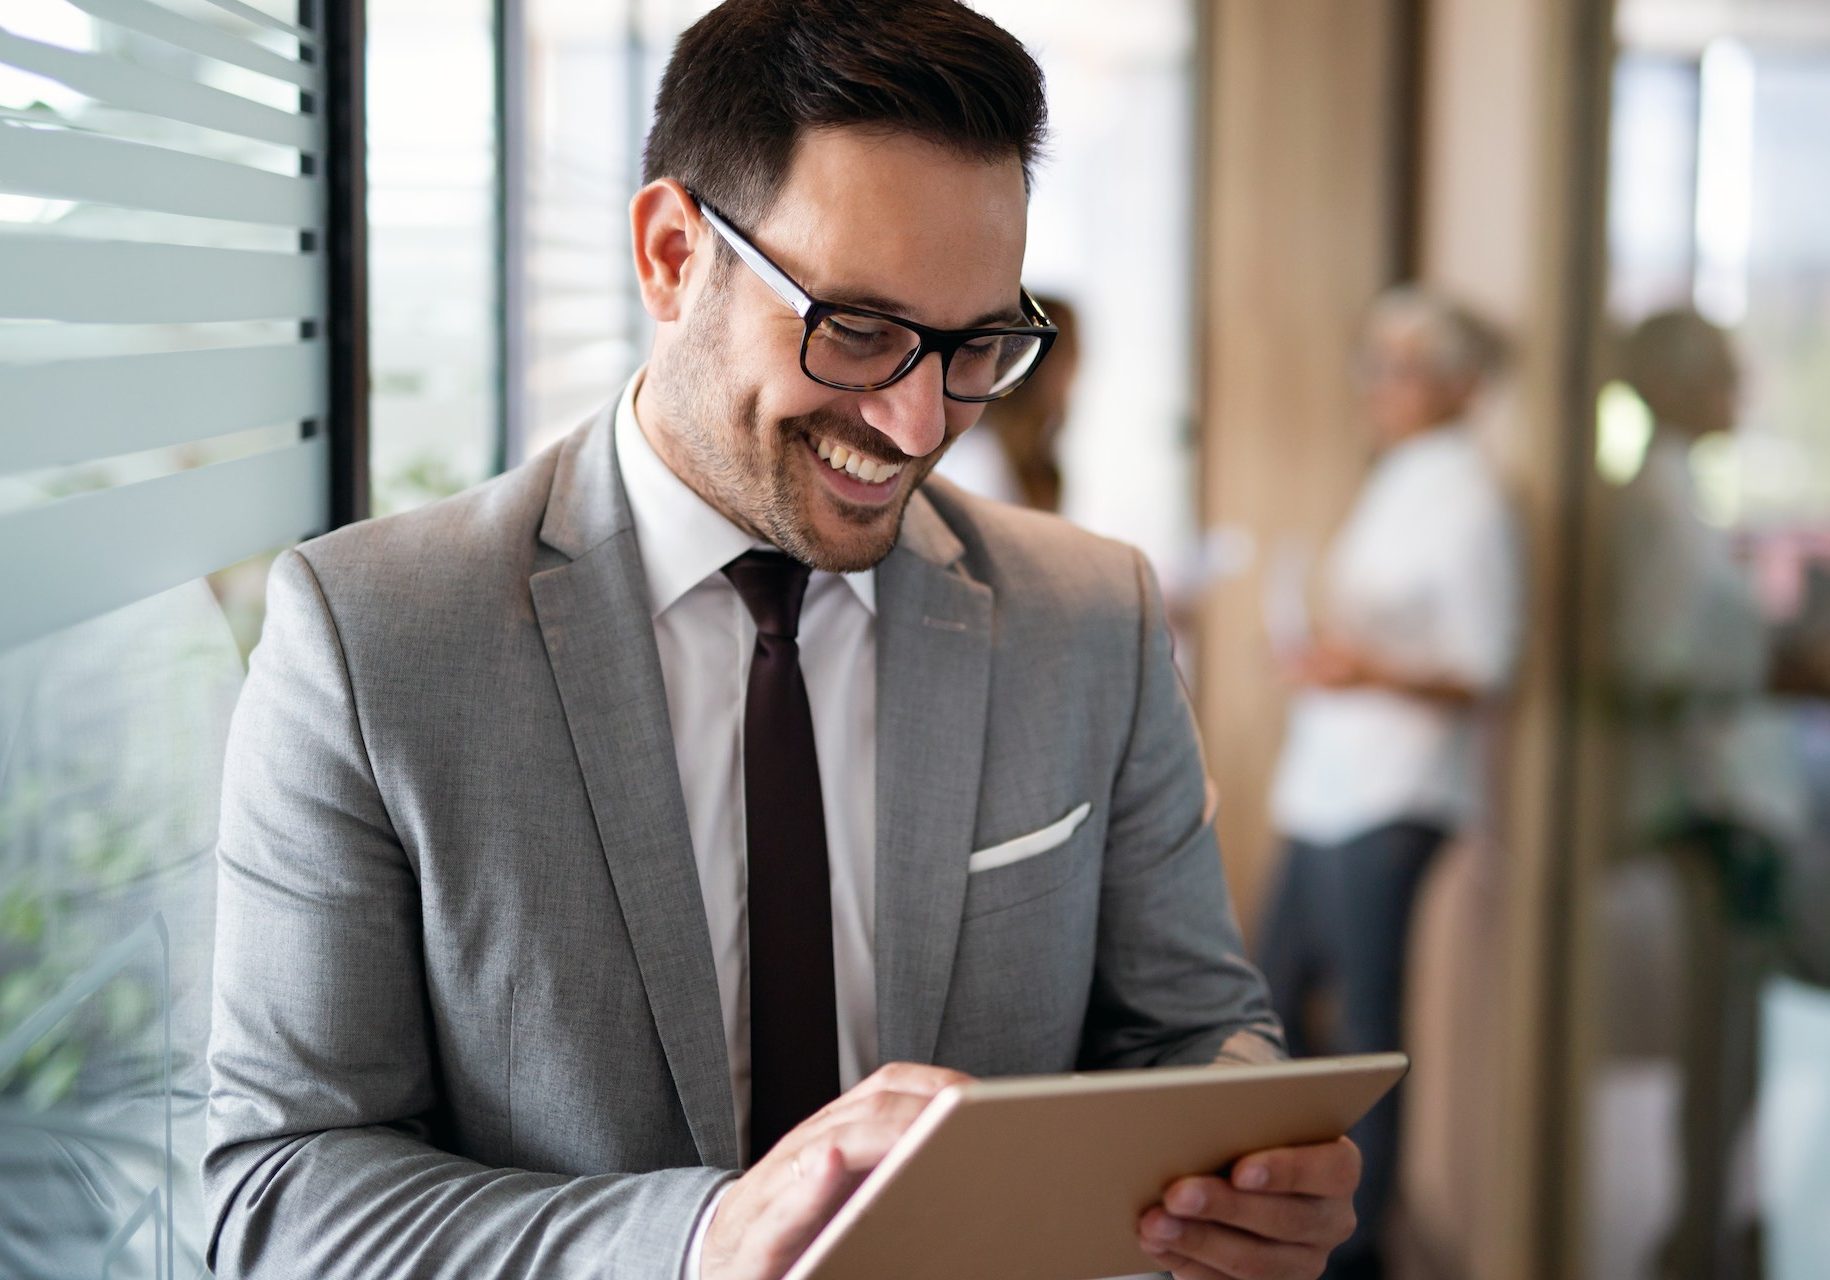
pixel 1303 191
pixel 1511 218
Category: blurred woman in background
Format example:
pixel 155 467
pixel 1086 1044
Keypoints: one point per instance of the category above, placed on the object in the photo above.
pixel 1420 617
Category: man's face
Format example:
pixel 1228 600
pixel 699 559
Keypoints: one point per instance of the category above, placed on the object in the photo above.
pixel 883 221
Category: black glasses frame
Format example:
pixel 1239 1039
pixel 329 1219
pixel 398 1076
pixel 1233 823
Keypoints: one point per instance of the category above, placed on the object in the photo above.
pixel 944 342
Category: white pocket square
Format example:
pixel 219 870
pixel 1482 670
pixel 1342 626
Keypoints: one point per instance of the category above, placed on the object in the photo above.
pixel 1049 837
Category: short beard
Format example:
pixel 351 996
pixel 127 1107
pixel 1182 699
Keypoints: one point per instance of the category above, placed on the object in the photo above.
pixel 875 532
pixel 717 440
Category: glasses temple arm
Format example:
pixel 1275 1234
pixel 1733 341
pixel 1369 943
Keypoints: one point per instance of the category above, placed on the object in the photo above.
pixel 772 275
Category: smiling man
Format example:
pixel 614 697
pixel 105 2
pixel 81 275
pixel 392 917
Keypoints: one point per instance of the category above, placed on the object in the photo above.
pixel 616 858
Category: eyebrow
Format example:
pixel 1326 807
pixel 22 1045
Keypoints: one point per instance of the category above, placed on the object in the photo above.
pixel 1001 317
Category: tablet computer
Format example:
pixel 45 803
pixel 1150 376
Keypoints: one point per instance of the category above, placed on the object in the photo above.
pixel 1045 1177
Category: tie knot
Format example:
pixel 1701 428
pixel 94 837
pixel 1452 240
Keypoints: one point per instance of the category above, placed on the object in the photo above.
pixel 772 586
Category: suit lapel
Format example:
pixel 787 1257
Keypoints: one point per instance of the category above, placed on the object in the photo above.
pixel 933 683
pixel 593 613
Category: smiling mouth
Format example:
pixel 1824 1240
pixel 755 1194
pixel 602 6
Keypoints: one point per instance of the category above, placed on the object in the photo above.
pixel 856 465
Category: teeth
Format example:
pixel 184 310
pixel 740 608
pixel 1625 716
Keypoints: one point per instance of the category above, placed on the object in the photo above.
pixel 839 458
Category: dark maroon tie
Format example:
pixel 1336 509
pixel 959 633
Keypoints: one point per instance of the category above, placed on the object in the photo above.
pixel 794 1023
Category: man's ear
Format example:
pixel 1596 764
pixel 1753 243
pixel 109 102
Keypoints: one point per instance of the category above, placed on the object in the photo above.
pixel 668 237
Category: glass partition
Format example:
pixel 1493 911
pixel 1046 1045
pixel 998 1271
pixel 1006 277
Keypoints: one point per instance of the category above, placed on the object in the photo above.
pixel 434 296
pixel 164 405
pixel 1706 1098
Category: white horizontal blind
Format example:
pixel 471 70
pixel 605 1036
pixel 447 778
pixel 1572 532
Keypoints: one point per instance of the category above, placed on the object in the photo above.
pixel 163 287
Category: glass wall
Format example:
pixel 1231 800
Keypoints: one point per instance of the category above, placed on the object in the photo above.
pixel 435 338
pixel 577 327
pixel 163 413
pixel 1706 1101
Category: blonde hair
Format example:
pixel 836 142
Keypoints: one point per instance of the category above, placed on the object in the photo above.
pixel 1461 344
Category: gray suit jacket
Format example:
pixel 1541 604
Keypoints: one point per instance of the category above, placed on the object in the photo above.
pixel 466 1021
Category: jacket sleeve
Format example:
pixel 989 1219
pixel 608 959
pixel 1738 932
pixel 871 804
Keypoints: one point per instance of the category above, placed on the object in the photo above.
pixel 1171 984
pixel 322 1066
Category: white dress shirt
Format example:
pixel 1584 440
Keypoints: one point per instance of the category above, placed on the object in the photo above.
pixel 706 638
pixel 1424 576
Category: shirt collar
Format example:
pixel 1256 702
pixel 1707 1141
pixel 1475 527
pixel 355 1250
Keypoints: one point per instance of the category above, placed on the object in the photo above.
pixel 683 540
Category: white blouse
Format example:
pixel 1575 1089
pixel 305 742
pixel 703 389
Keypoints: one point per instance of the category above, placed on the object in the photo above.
pixel 1425 578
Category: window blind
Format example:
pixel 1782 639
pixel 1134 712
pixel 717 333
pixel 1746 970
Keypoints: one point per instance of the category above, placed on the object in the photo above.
pixel 163 297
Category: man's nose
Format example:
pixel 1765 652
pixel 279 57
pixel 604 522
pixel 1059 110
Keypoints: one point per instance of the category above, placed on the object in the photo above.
pixel 912 412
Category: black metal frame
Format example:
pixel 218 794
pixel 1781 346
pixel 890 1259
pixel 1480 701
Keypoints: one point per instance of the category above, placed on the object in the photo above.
pixel 1591 49
pixel 345 161
pixel 510 234
pixel 942 342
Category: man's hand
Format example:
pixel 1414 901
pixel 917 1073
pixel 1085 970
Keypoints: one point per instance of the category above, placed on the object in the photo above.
pixel 1275 1219
pixel 771 1214
pixel 1332 665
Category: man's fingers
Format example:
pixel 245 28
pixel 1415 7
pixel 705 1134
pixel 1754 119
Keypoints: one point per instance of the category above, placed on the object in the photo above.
pixel 880 1106
pixel 1187 1268
pixel 778 1207
pixel 1328 1169
pixel 819 1184
pixel 791 1193
pixel 817 1180
pixel 908 1077
pixel 822 1172
pixel 1279 1215
pixel 804 1207
pixel 1227 1250
pixel 1295 1219
pixel 859 1144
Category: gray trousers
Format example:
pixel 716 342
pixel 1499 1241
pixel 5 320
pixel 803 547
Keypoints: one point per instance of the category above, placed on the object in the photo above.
pixel 1338 923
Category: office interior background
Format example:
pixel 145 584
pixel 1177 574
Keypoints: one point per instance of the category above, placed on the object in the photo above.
pixel 267 266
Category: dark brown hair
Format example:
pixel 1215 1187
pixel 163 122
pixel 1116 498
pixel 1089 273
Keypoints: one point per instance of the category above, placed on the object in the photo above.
pixel 748 78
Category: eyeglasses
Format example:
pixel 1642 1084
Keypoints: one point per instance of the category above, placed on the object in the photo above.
pixel 857 349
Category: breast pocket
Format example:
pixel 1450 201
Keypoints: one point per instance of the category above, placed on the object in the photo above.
pixel 1028 866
